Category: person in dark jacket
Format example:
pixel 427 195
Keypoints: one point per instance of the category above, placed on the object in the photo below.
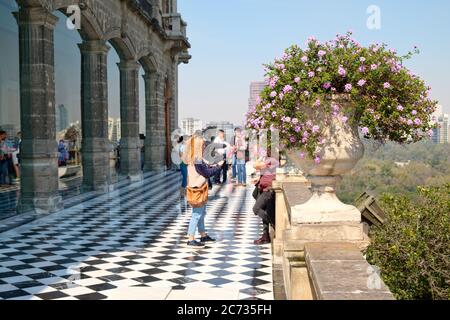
pixel 198 174
pixel 265 201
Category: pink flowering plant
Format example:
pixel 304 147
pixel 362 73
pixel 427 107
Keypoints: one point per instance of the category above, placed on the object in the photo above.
pixel 387 101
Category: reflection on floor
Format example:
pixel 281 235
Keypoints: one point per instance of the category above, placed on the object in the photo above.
pixel 130 244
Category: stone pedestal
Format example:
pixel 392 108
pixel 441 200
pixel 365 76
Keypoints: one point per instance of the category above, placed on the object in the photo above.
pixel 130 152
pixel 39 153
pixel 324 206
pixel 94 113
pixel 155 144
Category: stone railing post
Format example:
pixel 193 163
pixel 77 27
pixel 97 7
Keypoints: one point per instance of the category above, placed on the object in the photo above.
pixel 94 112
pixel 155 122
pixel 130 154
pixel 39 153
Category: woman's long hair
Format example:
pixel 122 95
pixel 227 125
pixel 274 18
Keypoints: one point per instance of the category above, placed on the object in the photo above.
pixel 193 151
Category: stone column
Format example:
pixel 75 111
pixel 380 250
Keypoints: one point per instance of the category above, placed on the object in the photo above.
pixel 94 115
pixel 154 116
pixel 39 153
pixel 130 153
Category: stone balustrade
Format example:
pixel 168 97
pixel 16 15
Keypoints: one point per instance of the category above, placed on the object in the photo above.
pixel 322 261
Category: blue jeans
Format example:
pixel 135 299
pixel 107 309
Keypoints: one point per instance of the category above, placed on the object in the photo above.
pixel 241 171
pixel 197 221
pixel 4 171
pixel 234 166
pixel 184 174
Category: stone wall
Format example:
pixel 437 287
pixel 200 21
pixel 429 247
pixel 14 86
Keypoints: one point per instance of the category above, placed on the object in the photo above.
pixel 136 30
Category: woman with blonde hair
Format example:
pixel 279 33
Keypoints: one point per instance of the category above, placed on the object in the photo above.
pixel 197 188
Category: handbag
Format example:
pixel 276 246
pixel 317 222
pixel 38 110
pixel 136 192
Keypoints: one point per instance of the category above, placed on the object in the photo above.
pixel 197 186
pixel 197 197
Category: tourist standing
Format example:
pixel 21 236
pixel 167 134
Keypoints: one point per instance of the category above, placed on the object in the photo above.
pixel 233 156
pixel 241 148
pixel 3 159
pixel 183 166
pixel 265 200
pixel 15 156
pixel 220 140
pixel 63 153
pixel 197 188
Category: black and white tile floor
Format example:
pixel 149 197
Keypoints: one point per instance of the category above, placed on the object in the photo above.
pixel 132 242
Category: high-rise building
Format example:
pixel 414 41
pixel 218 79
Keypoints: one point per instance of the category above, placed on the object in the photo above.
pixel 442 133
pixel 62 118
pixel 190 125
pixel 226 126
pixel 114 129
pixel 255 89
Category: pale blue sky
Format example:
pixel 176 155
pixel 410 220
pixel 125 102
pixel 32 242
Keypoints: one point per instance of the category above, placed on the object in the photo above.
pixel 232 39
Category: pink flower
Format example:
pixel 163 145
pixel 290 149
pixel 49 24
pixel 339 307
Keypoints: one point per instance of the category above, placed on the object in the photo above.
pixel 273 94
pixel 322 53
pixel 431 132
pixel 317 103
pixel 410 122
pixel 362 82
pixel 287 119
pixel 400 108
pixel 365 131
pixel 342 71
pixel 315 129
pixel 387 85
pixel 274 114
pixel 317 160
pixel 281 95
pixel 297 129
pixel 311 74
pixel 348 87
pixel 362 59
pixel 294 120
pixel 302 155
pixel 344 119
pixel 362 69
pixel 414 112
pixel 292 139
pixel 297 80
pixel 418 122
pixel 304 59
pixel 374 67
pixel 327 85
pixel 306 93
pixel 287 89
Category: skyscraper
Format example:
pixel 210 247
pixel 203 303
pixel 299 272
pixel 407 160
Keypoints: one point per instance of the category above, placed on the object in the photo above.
pixel 62 118
pixel 255 89
pixel 190 125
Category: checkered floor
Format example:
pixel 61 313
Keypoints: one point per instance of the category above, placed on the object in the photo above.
pixel 135 237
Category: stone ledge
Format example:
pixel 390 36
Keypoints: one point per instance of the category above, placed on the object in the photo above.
pixel 339 272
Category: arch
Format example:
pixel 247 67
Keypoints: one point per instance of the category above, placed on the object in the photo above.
pixel 122 46
pixel 90 27
pixel 149 64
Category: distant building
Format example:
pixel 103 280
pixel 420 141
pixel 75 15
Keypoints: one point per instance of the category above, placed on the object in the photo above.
pixel 226 126
pixel 11 129
pixel 190 125
pixel 62 118
pixel 114 130
pixel 441 135
pixel 255 90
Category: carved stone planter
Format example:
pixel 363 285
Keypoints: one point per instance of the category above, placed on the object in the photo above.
pixel 340 153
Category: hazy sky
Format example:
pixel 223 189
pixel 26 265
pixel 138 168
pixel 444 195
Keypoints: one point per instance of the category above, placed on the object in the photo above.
pixel 232 39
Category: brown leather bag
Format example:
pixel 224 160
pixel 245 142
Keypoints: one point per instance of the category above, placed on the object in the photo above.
pixel 197 197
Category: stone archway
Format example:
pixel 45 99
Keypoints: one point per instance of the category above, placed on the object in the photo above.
pixel 133 30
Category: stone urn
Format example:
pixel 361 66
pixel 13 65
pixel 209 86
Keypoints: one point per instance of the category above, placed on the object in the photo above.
pixel 340 153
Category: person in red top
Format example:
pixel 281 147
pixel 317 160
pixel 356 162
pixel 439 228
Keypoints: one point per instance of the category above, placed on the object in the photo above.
pixel 265 200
